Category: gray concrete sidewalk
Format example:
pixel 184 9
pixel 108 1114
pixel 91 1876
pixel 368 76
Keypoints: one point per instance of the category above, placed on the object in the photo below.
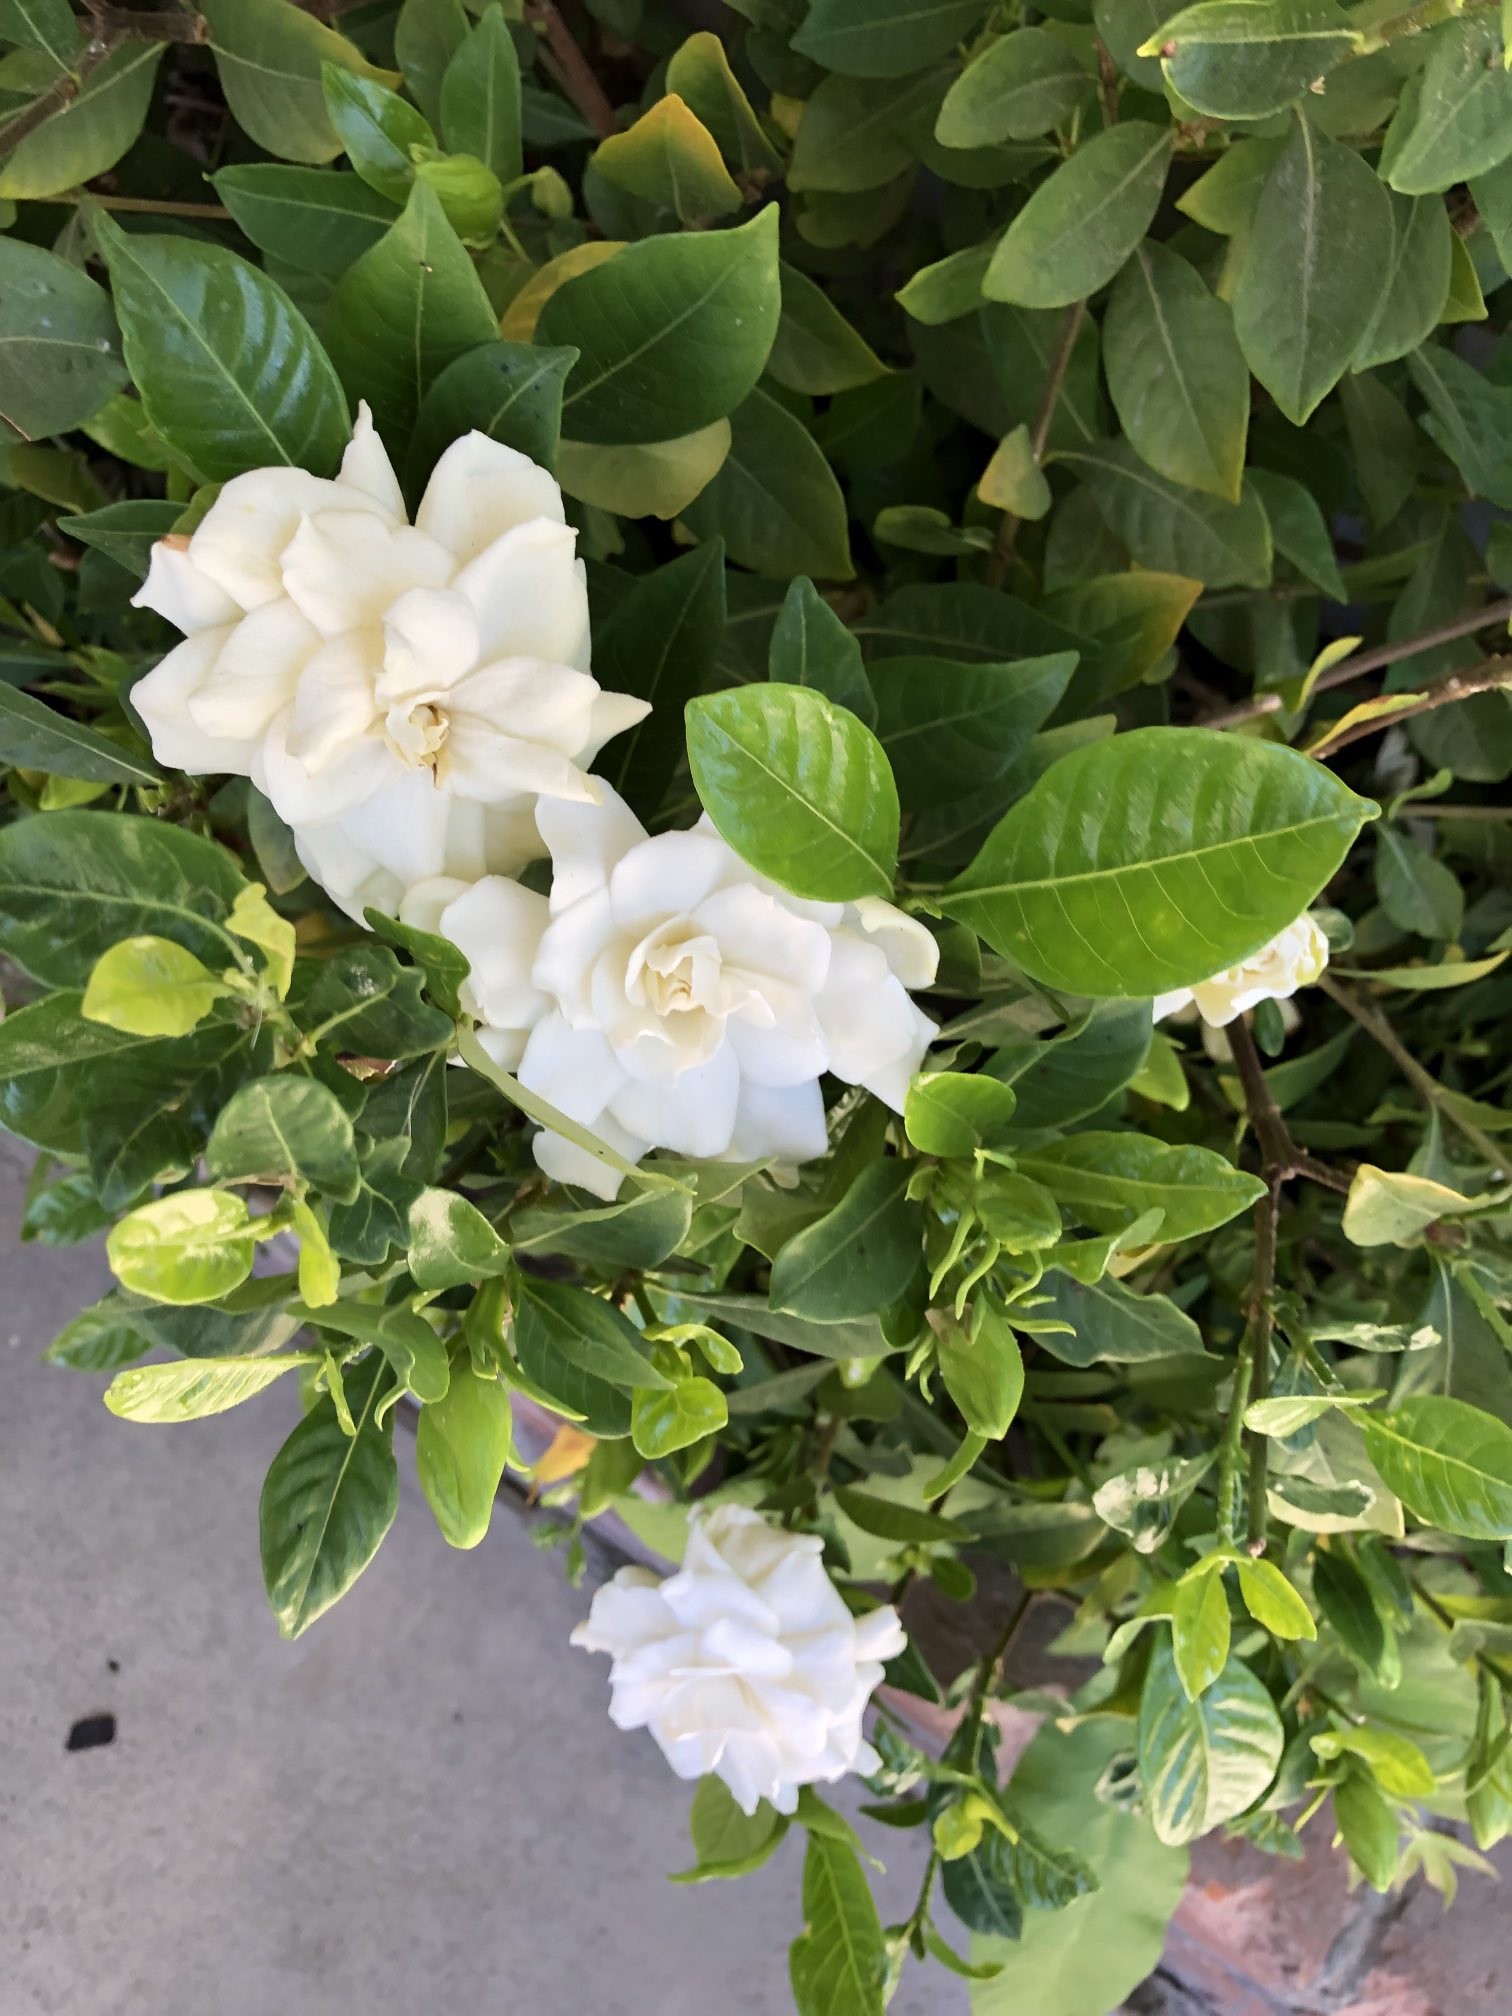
pixel 419 1806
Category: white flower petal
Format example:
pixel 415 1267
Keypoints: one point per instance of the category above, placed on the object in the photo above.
pixel 178 590
pixel 585 841
pixel 610 715
pixel 667 876
pixel 333 703
pixel 890 1081
pixel 695 1115
pixel 346 568
pixel 481 489
pixel 531 595
pixel 568 953
pixel 162 700
pixel 911 951
pixel 430 638
pixel 348 776
pixel 240 541
pixel 424 904
pixel 366 467
pixel 784 1125
pixel 867 1017
pixel 498 926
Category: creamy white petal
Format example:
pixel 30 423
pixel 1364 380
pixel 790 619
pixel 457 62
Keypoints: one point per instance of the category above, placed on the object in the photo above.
pixel 531 595
pixel 585 841
pixel 568 952
pixel 572 1068
pixel 481 489
pixel 480 763
pixel 611 715
pixel 498 926
pixel 346 568
pixel 349 776
pixel 240 541
pixel 890 1081
pixel 180 591
pixel 784 1124
pixel 333 703
pixel 162 700
pixel 867 1017
pixel 529 697
pixel 694 1115
pixel 366 467
pixel 763 935
pixel 257 673
pixel 424 904
pixel 430 638
pixel 667 876
pixel 911 951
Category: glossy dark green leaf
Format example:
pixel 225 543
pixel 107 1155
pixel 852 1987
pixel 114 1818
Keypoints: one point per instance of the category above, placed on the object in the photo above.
pixel 1170 528
pixel 230 373
pixel 512 392
pixel 378 130
pixel 39 737
pixel 328 1500
pixel 480 97
pixel 285 1129
pixel 672 333
pixel 1110 1321
pixel 638 1231
pixel 661 644
pixel 125 532
pixel 811 647
pixel 45 25
pixel 800 788
pixel 1315 268
pixel 946 728
pixel 774 499
pixel 1110 1180
pixel 409 307
pixel 1457 121
pixel 1081 224
pixel 1299 531
pixel 856 1259
pixel 815 349
pixel 1131 867
pixel 1067 1077
pixel 439 960
pixel 314 218
pixel 855 132
pixel 1470 417
pixel 59 356
pixel 427 34
pixel 1417 282
pixel 364 1002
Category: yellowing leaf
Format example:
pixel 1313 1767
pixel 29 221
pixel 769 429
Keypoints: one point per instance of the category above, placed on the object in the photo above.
pixel 670 158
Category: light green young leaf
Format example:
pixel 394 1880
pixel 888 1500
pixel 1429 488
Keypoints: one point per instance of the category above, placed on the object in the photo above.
pixel 193 1246
pixel 462 1442
pixel 1387 1207
pixel 379 130
pixel 1448 1462
pixel 451 1242
pixel 953 1113
pixel 669 158
pixel 1272 1601
pixel 1200 1631
pixel 661 1423
pixel 1396 1763
pixel 699 72
pixel 150 987
pixel 91 133
pixel 189 1389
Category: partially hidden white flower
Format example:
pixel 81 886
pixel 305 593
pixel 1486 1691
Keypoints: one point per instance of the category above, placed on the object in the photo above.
pixel 668 996
pixel 746 1662
pixel 402 693
pixel 1294 958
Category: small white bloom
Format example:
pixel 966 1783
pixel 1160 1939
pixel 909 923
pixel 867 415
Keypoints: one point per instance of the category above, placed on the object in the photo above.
pixel 746 1662
pixel 668 996
pixel 1294 958
pixel 402 693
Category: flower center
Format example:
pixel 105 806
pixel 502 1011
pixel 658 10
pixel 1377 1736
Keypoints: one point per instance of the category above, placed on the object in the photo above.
pixel 416 731
pixel 673 972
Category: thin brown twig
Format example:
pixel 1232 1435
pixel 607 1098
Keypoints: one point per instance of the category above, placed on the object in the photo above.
pixel 572 69
pixel 1494 675
pixel 1375 1024
pixel 149 24
pixel 1374 660
pixel 1055 378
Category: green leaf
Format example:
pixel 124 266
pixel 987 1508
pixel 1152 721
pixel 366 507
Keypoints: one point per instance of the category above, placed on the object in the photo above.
pixel 1172 529
pixel 35 736
pixel 1299 530
pixel 451 1242
pixel 1244 59
pixel 699 72
pixel 125 533
pixel 639 1231
pixel 1314 271
pixel 855 133
pixel 1272 1601
pixel 661 644
pixel 1417 283
pixel 89 135
pixel 1177 375
pixel 403 1336
pixel 672 333
pixel 1344 1597
pixel 59 357
pixel 1110 1180
pixel 1458 121
pixel 1284 1414
pixel 884 38
pixel 364 1002
pixel 859 1339
pixel 1470 417
pixel 377 128
pixel 150 987
pixel 773 498
pixel 512 392
pixel 97 1340
pixel 1449 1463
pixel 727 1841
pixel 1016 89
pixel 811 647
pixel 953 1113
pixel 1082 223
pixel 462 1442
pixel 1418 892
pixel 191 1247
pixel 443 966
pixel 1110 1321
pixel 1133 865
pixel 1396 1763
pixel 947 729
pixel 1369 1829
pixel 1076 1073
pixel 951 287
pixel 427 35
pixel 857 1258
pixel 1204 1761
pixel 798 787
pixel 307 217
pixel 983 1371
pixel 663 1423
pixel 888 1520
pixel 1142 1504
pixel 815 349
pixel 73 883
pixel 670 159
pixel 409 307
pixel 190 1389
pixel 1389 1207
pixel 839 1961
pixel 285 1129
pixel 328 1500
pixel 586 1331
pixel 480 98
pixel 230 373
pixel 645 479
pixel 1199 1631
pixel 270 55
pixel 46 25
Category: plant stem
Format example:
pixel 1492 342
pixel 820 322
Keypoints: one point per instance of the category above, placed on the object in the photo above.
pixel 170 24
pixel 1375 1024
pixel 571 68
pixel 1424 810
pixel 1495 675
pixel 1055 378
pixel 1374 660
pixel 147 206
pixel 989 1672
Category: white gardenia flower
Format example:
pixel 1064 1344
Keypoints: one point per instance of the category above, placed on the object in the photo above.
pixel 1294 958
pixel 746 1662
pixel 668 996
pixel 402 693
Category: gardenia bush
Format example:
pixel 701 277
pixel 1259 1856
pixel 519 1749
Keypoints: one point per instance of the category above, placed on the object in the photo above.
pixel 773 735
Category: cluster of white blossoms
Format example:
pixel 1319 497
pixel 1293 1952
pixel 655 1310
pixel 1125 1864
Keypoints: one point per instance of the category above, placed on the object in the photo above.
pixel 746 1662
pixel 415 701
pixel 1294 958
